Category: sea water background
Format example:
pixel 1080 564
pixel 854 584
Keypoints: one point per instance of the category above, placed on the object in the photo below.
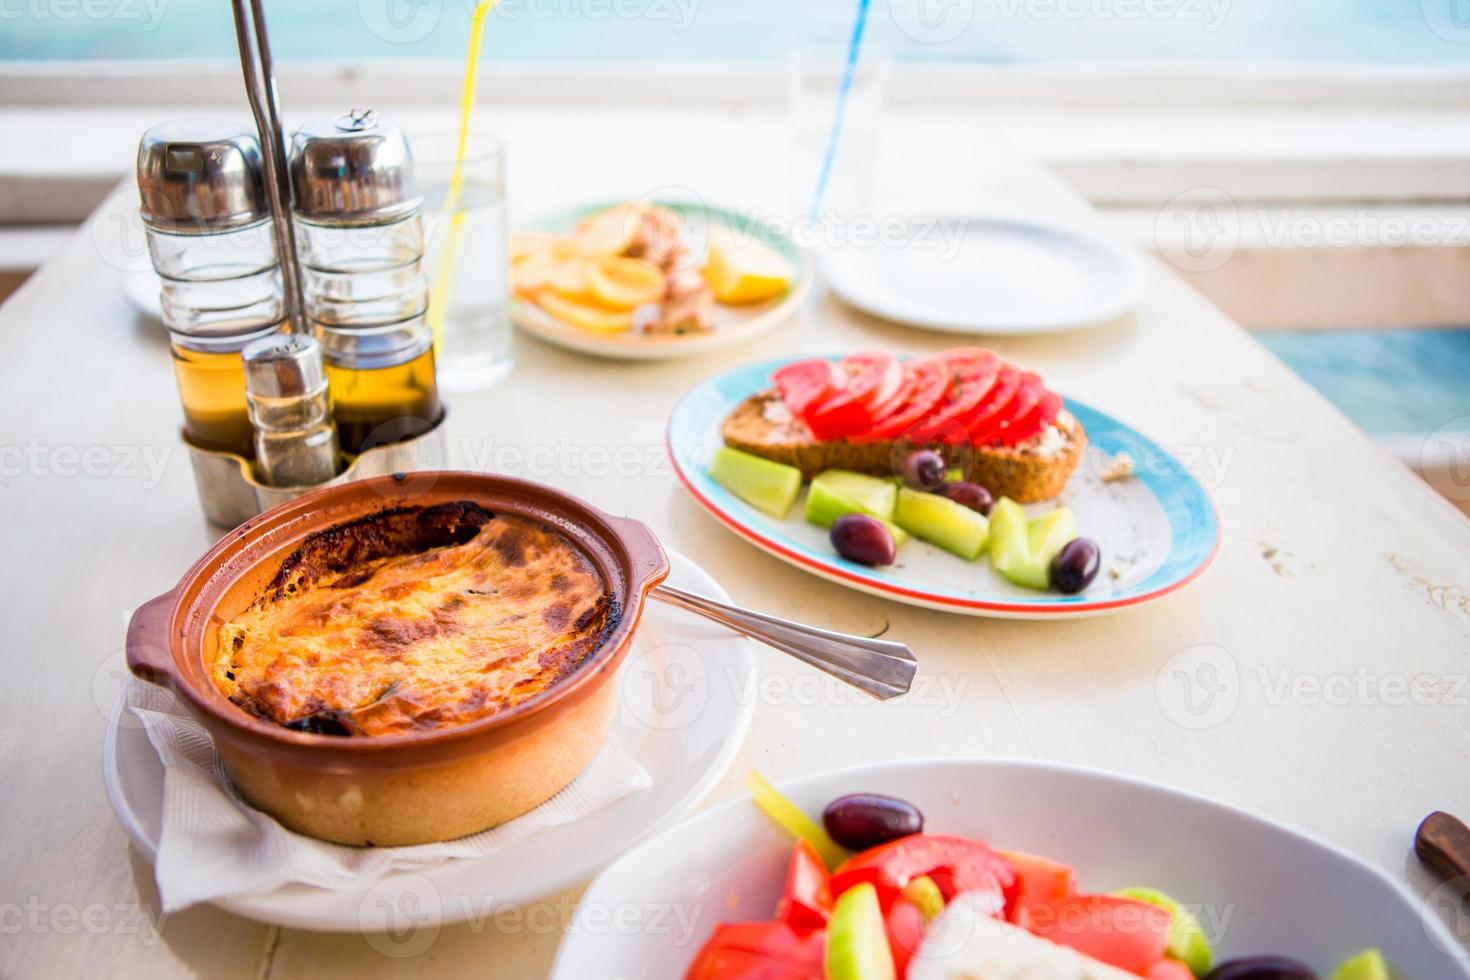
pixel 1379 32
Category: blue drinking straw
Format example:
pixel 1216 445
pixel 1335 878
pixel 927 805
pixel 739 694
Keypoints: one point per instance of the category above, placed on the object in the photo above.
pixel 840 110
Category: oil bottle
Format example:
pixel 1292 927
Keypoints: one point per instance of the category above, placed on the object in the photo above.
pixel 203 204
pixel 360 239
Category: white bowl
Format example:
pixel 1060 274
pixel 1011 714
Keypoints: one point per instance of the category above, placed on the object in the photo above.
pixel 1257 887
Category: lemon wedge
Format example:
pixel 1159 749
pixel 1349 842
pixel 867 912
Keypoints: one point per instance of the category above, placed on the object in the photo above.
pixel 532 271
pixel 582 315
pixel 744 269
pixel 622 284
pixel 608 232
pixel 569 278
pixel 524 244
pixel 557 266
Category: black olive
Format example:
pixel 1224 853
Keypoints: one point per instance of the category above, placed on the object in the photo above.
pixel 859 821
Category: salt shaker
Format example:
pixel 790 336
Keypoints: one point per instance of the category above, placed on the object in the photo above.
pixel 360 238
pixel 286 389
pixel 203 204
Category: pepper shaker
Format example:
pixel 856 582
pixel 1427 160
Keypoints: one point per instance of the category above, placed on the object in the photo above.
pixel 286 389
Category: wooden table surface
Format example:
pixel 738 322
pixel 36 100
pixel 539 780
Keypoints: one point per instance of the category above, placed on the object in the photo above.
pixel 1338 612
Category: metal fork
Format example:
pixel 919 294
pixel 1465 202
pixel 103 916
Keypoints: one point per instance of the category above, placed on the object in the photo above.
pixel 882 668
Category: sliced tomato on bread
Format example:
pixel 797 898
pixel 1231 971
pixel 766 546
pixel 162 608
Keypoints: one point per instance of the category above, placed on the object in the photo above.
pixel 927 383
pixel 873 378
pixel 973 372
pixel 1031 424
pixel 806 382
pixel 995 402
pixel 1028 392
pixel 900 395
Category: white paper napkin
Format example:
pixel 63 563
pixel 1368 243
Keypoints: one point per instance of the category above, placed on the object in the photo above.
pixel 215 845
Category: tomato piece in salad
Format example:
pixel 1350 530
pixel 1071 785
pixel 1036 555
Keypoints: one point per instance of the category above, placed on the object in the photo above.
pixel 929 381
pixel 1123 932
pixel 806 382
pixel 1039 881
pixel 904 924
pixel 873 378
pixel 1043 414
pixel 751 950
pixel 806 901
pixel 1170 970
pixel 719 963
pixel 973 372
pixel 956 864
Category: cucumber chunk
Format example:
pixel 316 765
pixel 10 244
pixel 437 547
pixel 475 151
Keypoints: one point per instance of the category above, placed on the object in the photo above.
pixel 1045 536
pixel 1367 965
pixel 874 495
pixel 1009 545
pixel 857 942
pixel 1023 550
pixel 1187 942
pixel 940 521
pixel 824 505
pixel 766 485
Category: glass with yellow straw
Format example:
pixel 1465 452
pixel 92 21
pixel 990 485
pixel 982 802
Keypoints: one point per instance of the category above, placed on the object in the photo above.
pixel 461 174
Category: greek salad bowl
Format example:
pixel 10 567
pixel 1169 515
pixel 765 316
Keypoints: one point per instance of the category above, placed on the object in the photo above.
pixel 714 896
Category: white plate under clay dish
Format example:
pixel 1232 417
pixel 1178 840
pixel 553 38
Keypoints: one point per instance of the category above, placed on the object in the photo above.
pixel 988 275
pixel 685 746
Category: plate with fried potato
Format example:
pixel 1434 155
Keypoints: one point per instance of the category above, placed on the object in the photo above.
pixel 653 280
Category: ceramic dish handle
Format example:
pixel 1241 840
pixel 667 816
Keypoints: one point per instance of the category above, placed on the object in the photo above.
pixel 149 656
pixel 650 564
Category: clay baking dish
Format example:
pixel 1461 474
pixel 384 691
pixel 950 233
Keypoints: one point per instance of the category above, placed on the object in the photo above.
pixel 418 787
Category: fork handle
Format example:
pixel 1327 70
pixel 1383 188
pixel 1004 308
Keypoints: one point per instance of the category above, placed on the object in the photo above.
pixel 882 668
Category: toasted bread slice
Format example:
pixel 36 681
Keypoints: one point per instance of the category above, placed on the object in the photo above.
pixel 1037 469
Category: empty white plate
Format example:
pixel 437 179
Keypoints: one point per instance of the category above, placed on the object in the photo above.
pixel 684 734
pixel 987 274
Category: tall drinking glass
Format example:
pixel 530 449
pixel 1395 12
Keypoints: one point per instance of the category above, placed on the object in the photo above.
pixel 813 79
pixel 466 257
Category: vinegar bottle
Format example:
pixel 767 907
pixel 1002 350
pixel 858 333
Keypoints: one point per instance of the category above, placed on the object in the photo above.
pixel 360 239
pixel 202 200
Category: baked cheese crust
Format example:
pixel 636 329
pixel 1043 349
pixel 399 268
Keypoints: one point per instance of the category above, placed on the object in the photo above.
pixel 414 619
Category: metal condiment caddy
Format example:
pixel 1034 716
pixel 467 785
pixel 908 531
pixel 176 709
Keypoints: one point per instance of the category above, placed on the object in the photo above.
pixel 297 320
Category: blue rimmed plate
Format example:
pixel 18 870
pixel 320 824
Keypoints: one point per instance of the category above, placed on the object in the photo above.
pixel 1158 531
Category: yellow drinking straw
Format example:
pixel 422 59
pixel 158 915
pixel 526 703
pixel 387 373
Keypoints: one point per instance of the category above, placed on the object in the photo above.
pixel 444 274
